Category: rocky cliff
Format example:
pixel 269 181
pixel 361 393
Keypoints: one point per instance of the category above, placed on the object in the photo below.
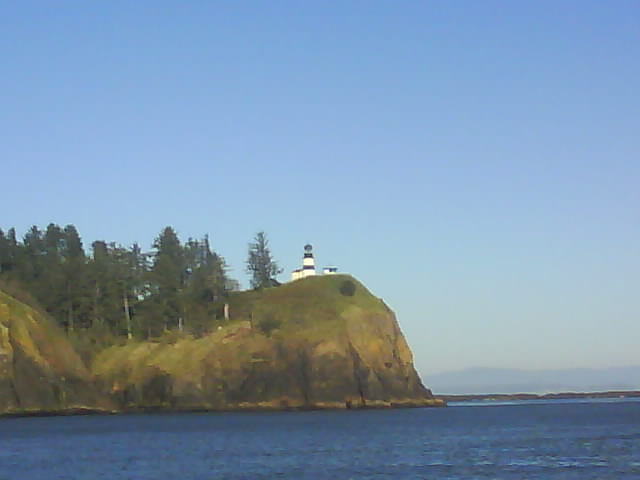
pixel 39 369
pixel 321 342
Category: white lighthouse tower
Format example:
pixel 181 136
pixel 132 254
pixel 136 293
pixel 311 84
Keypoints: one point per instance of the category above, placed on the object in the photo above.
pixel 308 265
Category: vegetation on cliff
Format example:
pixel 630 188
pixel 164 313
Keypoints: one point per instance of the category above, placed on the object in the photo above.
pixel 168 329
pixel 305 344
pixel 39 368
pixel 115 290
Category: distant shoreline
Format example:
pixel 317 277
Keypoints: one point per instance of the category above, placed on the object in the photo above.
pixel 501 397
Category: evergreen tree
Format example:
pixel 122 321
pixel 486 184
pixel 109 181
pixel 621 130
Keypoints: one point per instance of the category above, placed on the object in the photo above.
pixel 51 284
pixel 136 281
pixel 73 271
pixel 98 276
pixel 116 289
pixel 260 264
pixel 124 285
pixel 213 271
pixel 5 254
pixel 10 253
pixel 30 263
pixel 205 283
pixel 117 279
pixel 167 276
pixel 14 248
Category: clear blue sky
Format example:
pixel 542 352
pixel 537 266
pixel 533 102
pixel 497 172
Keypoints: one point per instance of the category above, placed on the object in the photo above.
pixel 476 164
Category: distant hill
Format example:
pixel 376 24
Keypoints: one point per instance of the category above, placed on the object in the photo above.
pixel 507 380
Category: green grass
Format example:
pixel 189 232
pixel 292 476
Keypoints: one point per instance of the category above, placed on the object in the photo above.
pixel 25 320
pixel 314 303
pixel 308 310
pixel 39 337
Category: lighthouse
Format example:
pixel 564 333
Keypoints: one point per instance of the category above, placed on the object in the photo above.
pixel 308 265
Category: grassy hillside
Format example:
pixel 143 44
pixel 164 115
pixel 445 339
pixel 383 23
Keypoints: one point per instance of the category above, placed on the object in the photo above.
pixel 319 303
pixel 319 342
pixel 39 368
pixel 38 338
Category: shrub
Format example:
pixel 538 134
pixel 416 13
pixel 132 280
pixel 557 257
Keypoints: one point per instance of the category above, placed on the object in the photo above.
pixel 268 324
pixel 347 288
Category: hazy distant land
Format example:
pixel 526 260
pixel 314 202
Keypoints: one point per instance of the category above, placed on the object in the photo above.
pixel 502 397
pixel 492 381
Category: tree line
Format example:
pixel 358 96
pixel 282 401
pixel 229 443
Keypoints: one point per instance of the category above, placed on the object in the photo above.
pixel 123 290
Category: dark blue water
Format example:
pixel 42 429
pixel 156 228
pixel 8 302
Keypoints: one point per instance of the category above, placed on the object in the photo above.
pixel 552 440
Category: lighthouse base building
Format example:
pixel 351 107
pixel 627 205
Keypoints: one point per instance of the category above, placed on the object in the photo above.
pixel 309 266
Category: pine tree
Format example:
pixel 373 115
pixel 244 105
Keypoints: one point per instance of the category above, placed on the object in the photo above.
pixel 98 277
pixel 116 289
pixel 51 284
pixel 30 264
pixel 205 284
pixel 167 276
pixel 5 254
pixel 14 248
pixel 260 264
pixel 74 274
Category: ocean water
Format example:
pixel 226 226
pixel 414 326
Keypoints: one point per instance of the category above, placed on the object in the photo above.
pixel 542 440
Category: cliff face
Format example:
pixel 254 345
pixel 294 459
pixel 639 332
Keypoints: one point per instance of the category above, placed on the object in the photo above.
pixel 39 369
pixel 321 342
